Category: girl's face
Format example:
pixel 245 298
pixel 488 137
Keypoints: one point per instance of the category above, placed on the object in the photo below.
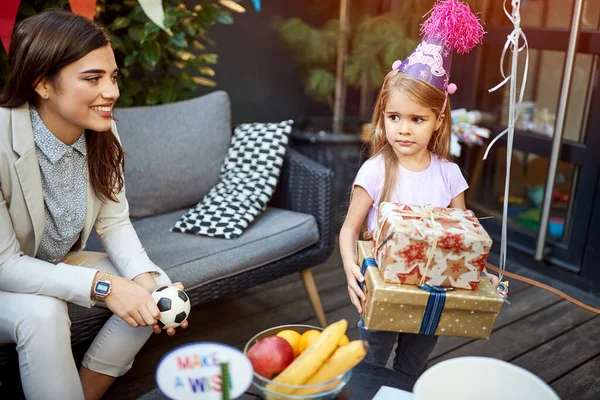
pixel 408 125
pixel 83 94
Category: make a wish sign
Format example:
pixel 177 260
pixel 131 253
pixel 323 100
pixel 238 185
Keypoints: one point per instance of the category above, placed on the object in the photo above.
pixel 204 371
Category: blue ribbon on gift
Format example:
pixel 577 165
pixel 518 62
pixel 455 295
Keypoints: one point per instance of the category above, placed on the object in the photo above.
pixel 435 304
pixel 434 309
pixel 367 262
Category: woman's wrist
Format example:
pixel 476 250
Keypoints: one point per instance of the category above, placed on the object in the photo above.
pixel 146 280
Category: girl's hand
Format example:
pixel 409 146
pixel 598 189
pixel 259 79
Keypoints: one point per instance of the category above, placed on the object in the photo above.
pixel 132 303
pixel 171 331
pixel 493 279
pixel 354 276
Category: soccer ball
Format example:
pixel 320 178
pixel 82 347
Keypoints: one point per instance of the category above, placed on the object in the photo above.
pixel 174 306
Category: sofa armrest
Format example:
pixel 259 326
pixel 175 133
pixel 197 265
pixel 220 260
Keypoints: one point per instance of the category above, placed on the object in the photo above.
pixel 305 186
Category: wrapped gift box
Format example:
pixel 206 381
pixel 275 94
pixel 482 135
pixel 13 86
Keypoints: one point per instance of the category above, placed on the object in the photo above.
pixel 408 308
pixel 447 245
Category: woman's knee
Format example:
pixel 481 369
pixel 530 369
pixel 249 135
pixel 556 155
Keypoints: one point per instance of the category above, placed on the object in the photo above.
pixel 46 317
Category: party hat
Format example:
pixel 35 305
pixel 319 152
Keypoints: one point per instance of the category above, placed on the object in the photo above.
pixel 452 26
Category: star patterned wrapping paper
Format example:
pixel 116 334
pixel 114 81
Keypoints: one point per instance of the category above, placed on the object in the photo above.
pixel 448 245
pixel 410 309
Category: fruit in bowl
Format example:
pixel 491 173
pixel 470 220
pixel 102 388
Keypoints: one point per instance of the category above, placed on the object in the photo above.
pixel 270 356
pixel 325 358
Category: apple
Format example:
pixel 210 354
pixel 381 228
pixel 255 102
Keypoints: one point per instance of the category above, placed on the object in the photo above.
pixel 271 355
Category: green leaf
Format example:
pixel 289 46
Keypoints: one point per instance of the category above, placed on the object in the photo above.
pixel 186 81
pixel 206 71
pixel 189 28
pixel 130 45
pixel 169 21
pixel 145 66
pixel 152 98
pixel 185 55
pixel 178 12
pixel 138 14
pixel 224 17
pixel 169 92
pixel 27 10
pixel 199 80
pixel 233 6
pixel 198 45
pixel 120 23
pixel 320 84
pixel 151 52
pixel 116 42
pixel 208 58
pixel 150 27
pixel 136 33
pixel 130 60
pixel 179 40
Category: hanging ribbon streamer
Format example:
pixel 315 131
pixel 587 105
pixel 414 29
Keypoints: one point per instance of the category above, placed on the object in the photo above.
pixel 8 14
pixel 85 8
pixel 256 4
pixel 512 44
pixel 155 12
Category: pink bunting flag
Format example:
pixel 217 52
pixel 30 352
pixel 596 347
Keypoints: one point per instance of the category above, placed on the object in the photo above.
pixel 8 14
pixel 85 8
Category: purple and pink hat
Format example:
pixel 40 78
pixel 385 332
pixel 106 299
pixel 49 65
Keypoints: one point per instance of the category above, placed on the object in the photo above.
pixel 452 26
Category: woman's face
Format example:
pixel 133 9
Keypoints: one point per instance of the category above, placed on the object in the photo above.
pixel 83 94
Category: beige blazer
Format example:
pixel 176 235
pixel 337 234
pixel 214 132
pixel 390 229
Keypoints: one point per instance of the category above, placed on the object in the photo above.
pixel 22 222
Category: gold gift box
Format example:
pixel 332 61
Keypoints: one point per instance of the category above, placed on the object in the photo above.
pixel 408 308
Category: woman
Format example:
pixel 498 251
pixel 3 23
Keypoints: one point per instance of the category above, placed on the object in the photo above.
pixel 61 173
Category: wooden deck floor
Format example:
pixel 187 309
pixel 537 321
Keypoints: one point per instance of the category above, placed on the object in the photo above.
pixel 541 332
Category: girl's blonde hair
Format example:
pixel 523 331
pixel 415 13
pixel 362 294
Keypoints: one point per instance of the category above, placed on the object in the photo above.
pixel 423 94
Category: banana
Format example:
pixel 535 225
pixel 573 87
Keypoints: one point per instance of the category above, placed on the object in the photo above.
pixel 344 359
pixel 311 359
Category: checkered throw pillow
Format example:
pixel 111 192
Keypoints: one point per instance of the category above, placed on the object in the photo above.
pixel 248 179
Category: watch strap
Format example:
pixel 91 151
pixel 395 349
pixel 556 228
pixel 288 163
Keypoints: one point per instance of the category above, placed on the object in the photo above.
pixel 104 277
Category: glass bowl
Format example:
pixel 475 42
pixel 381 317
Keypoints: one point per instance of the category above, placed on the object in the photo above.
pixel 327 390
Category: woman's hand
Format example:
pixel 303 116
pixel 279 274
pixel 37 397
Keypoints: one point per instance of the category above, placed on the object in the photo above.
pixel 354 276
pixel 132 303
pixel 147 281
pixel 171 331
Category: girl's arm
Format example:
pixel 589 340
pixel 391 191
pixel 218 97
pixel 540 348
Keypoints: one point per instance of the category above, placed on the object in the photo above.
pixel 459 202
pixel 349 234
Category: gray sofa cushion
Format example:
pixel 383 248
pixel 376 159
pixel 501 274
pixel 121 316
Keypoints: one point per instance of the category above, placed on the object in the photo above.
pixel 197 260
pixel 174 152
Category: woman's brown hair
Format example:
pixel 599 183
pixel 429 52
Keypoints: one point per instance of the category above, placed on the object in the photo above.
pixel 40 47
pixel 423 94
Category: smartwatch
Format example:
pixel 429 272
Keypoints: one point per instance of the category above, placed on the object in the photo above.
pixel 102 287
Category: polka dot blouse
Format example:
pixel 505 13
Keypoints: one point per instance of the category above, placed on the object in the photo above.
pixel 64 183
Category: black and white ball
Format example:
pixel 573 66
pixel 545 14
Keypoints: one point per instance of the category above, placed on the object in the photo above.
pixel 174 306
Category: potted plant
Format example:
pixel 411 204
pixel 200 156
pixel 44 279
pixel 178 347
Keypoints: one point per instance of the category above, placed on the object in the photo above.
pixel 158 66
pixel 373 43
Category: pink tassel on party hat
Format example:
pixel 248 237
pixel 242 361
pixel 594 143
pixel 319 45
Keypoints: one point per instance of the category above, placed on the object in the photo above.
pixel 452 26
pixel 453 22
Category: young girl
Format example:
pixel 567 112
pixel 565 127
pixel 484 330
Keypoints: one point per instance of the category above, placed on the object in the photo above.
pixel 410 164
pixel 61 175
